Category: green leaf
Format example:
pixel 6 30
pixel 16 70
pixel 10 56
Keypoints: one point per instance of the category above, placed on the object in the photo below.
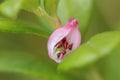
pixel 96 48
pixel 79 9
pixel 51 7
pixel 8 25
pixel 111 66
pixel 31 5
pixel 10 8
pixel 25 63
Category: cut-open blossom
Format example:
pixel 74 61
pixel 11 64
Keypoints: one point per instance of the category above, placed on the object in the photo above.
pixel 64 40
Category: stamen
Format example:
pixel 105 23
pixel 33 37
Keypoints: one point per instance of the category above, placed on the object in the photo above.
pixel 65 44
pixel 63 52
pixel 59 44
pixel 61 48
pixel 70 46
pixel 63 40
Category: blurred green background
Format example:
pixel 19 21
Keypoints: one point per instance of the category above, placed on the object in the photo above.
pixel 23 54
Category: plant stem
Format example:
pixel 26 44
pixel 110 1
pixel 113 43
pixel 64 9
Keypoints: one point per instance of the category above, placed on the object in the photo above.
pixel 53 21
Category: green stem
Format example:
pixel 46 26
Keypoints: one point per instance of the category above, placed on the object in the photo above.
pixel 52 21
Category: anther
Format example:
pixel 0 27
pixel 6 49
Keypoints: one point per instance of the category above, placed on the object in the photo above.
pixel 63 52
pixel 70 46
pixel 64 40
pixel 65 44
pixel 59 44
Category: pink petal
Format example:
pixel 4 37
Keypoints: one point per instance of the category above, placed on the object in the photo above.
pixel 75 38
pixel 56 36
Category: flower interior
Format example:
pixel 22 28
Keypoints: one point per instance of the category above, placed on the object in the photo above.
pixel 62 48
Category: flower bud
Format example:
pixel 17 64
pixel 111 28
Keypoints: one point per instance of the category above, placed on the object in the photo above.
pixel 64 40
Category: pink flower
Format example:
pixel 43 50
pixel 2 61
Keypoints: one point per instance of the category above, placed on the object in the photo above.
pixel 64 40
